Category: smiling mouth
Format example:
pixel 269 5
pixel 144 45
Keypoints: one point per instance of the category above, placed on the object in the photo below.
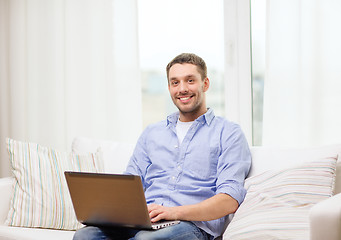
pixel 185 99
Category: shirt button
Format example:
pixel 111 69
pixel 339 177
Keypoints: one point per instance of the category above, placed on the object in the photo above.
pixel 173 178
pixel 179 167
pixel 176 146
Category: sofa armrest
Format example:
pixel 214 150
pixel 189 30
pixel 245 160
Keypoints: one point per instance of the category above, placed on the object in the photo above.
pixel 5 199
pixel 325 219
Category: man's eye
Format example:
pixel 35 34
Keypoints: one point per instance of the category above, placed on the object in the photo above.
pixel 190 80
pixel 175 83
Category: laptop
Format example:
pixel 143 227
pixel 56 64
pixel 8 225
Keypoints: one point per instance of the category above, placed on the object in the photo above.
pixel 110 200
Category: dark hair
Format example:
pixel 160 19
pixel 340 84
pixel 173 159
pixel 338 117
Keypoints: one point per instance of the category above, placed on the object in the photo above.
pixel 192 59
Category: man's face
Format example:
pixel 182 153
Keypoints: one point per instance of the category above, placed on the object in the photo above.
pixel 187 90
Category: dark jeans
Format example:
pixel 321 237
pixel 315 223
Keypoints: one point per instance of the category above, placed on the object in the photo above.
pixel 182 231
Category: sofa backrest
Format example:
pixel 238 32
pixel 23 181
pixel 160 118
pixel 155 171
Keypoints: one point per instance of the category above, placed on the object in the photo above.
pixel 116 156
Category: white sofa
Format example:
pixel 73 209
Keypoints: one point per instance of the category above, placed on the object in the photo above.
pixel 325 217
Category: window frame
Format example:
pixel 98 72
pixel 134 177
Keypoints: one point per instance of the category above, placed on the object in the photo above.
pixel 238 68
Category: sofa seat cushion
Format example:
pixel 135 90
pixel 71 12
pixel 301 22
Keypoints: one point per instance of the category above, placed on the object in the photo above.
pixel 15 233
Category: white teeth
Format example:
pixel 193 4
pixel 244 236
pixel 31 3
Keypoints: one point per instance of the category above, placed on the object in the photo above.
pixel 185 98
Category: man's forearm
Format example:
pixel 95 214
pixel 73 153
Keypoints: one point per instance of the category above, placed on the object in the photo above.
pixel 215 207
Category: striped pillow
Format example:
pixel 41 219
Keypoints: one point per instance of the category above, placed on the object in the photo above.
pixel 41 197
pixel 277 203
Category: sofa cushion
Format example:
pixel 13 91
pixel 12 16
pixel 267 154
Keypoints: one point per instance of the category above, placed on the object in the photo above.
pixel 277 202
pixel 41 197
pixel 16 233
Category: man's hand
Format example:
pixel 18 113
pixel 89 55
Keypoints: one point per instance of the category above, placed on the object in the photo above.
pixel 158 212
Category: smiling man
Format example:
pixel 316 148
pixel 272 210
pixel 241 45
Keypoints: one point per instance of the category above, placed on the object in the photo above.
pixel 192 165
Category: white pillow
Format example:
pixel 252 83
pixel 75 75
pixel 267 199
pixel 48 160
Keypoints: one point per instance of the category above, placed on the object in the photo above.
pixel 277 202
pixel 266 158
pixel 41 197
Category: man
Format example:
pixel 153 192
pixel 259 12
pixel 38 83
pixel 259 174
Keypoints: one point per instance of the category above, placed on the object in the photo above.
pixel 192 165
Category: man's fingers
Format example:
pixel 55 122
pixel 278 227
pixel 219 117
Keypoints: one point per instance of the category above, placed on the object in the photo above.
pixel 154 210
pixel 158 212
pixel 153 213
pixel 156 218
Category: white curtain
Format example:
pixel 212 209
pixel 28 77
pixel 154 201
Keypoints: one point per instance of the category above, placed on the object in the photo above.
pixel 302 91
pixel 68 68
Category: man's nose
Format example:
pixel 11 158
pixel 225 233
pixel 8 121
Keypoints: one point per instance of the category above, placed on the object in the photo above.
pixel 183 88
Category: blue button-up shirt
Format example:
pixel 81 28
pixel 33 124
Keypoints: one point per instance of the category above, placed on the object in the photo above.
pixel 213 158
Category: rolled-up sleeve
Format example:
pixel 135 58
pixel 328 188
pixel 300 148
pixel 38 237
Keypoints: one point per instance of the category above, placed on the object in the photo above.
pixel 233 164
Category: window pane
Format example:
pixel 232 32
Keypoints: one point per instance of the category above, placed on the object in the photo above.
pixel 296 72
pixel 168 28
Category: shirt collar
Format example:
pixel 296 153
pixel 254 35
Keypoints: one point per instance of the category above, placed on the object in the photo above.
pixel 205 118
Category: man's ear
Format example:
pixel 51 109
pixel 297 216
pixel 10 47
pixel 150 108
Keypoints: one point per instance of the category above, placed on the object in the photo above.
pixel 206 84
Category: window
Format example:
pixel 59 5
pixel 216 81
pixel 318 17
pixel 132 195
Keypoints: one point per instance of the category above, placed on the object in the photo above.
pixel 168 28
